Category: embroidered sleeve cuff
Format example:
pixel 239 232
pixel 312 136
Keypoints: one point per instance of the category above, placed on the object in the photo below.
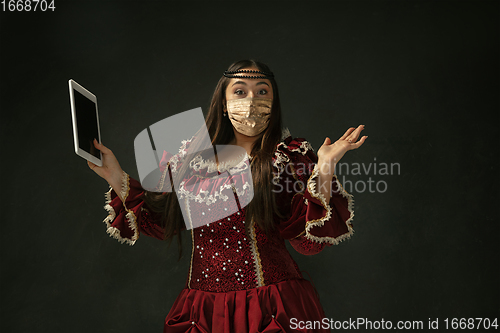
pixel 328 222
pixel 121 222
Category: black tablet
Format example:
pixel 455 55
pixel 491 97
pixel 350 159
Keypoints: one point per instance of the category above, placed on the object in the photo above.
pixel 85 122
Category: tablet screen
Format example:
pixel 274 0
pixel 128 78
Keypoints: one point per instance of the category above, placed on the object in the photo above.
pixel 86 118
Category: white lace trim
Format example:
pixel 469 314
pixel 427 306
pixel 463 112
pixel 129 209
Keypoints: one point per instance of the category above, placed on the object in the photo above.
pixel 279 164
pixel 304 147
pixel 182 152
pixel 311 187
pixel 285 133
pixel 204 197
pixel 281 158
pixel 233 166
pixel 350 208
pixel 130 216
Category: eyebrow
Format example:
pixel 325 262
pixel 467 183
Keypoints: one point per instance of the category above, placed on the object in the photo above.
pixel 258 83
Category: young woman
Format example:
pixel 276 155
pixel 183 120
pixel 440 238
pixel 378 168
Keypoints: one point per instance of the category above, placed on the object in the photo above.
pixel 242 277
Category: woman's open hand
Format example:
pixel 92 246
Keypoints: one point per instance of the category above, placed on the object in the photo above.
pixel 329 154
pixel 110 170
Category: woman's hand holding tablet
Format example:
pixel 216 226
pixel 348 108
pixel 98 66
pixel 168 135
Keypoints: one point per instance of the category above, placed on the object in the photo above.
pixel 110 169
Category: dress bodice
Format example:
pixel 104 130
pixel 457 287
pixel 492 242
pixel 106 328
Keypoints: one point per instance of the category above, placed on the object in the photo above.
pixel 224 257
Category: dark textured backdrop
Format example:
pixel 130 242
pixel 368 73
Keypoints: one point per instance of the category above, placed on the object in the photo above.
pixel 422 76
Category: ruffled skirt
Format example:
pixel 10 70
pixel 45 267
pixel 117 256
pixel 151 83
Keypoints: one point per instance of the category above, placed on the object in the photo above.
pixel 274 308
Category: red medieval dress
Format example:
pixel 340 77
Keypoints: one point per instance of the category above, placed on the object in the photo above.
pixel 237 283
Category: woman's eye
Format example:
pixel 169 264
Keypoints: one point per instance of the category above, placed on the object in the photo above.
pixel 263 92
pixel 239 92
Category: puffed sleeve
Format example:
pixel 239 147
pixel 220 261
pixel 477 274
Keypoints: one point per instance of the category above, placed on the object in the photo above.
pixel 312 223
pixel 131 217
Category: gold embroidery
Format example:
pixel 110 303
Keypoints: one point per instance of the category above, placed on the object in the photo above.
pixel 256 256
pixel 192 255
pixel 294 174
pixel 162 179
pixel 302 233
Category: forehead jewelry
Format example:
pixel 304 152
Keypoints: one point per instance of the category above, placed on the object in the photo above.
pixel 231 74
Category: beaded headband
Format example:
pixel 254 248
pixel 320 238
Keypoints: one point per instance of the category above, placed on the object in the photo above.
pixel 231 74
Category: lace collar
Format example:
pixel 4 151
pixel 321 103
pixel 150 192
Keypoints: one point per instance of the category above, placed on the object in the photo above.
pixel 237 164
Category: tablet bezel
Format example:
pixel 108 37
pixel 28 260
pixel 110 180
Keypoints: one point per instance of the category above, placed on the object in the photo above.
pixel 73 85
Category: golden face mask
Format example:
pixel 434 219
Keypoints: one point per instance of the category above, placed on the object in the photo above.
pixel 249 116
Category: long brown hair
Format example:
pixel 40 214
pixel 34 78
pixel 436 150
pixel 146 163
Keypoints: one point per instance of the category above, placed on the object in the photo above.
pixel 263 207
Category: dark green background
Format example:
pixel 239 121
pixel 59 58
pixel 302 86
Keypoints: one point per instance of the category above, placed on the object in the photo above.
pixel 422 76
